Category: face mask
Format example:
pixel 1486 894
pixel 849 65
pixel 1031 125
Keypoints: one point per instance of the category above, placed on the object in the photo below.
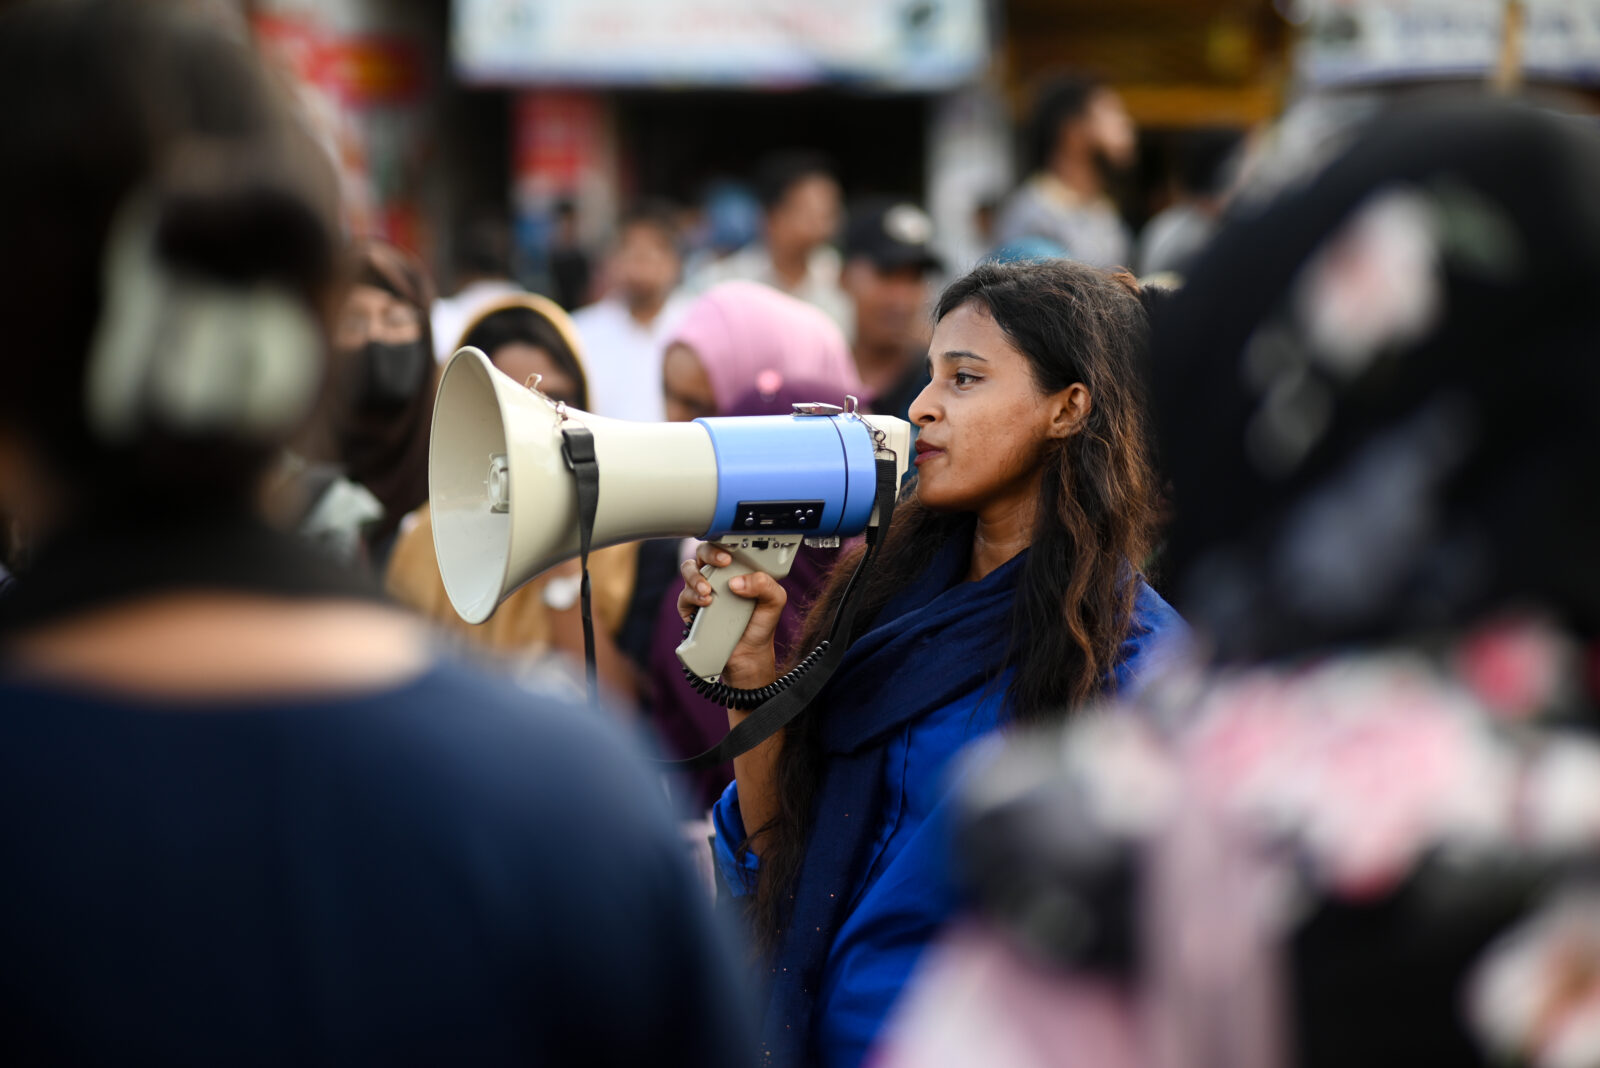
pixel 387 376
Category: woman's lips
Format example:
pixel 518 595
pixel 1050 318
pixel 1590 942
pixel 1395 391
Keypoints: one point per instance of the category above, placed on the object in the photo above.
pixel 927 452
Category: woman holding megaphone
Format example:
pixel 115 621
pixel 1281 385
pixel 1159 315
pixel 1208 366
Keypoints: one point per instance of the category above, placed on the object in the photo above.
pixel 1007 592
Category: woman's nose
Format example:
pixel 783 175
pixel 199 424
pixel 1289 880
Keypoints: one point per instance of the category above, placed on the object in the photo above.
pixel 922 411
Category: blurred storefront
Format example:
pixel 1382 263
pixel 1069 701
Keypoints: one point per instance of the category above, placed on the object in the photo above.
pixel 616 98
pixel 444 110
pixel 612 99
pixel 363 72
pixel 1552 43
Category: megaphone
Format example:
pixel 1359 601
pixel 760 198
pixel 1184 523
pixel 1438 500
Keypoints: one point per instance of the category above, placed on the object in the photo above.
pixel 505 501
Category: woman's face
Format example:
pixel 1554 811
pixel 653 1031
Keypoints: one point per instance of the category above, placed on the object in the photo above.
pixel 982 422
pixel 373 314
pixel 521 361
pixel 686 386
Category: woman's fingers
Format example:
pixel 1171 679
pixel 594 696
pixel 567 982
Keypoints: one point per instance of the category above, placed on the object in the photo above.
pixel 696 592
pixel 710 553
pixel 770 597
pixel 694 582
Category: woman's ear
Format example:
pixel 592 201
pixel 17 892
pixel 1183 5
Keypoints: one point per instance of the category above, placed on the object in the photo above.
pixel 1070 410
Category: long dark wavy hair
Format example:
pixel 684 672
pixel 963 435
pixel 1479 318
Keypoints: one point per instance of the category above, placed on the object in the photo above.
pixel 1095 524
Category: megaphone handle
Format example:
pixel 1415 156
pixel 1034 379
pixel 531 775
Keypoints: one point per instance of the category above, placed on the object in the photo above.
pixel 718 626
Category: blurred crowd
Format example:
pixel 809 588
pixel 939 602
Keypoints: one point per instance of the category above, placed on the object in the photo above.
pixel 265 796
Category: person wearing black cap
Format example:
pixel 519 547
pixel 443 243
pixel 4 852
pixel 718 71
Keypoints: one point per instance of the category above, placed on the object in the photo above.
pixel 888 261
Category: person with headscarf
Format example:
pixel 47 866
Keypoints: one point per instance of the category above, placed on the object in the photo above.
pixel 249 813
pixel 741 348
pixel 1360 830
pixel 531 340
pixel 384 376
pixel 739 336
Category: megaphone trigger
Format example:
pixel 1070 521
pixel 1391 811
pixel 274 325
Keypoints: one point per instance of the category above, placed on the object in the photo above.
pixel 717 628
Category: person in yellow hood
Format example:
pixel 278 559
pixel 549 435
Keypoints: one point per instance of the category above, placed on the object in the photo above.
pixel 525 335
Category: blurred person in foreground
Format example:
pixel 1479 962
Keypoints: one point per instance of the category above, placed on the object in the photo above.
pixel 247 814
pixel 801 208
pixel 741 349
pixel 380 409
pixel 1007 592
pixel 1079 137
pixel 888 261
pixel 625 333
pixel 524 336
pixel 1365 830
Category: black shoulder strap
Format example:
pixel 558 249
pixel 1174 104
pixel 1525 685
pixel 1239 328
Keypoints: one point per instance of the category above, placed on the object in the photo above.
pixel 578 447
pixel 774 714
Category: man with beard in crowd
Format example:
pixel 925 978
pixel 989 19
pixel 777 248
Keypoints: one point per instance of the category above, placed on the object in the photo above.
pixel 1080 136
pixel 888 262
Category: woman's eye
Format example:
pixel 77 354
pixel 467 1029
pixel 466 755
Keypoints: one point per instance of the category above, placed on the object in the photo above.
pixel 965 378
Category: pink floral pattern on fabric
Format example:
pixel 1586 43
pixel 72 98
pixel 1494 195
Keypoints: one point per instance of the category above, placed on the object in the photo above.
pixel 1376 285
pixel 1249 796
pixel 1362 765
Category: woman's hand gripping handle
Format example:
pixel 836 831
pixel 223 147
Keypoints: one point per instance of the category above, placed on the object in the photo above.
pixel 733 600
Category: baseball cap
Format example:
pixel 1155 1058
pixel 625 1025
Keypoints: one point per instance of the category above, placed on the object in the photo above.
pixel 892 234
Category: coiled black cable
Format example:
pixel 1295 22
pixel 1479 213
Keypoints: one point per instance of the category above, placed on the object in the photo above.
pixel 733 697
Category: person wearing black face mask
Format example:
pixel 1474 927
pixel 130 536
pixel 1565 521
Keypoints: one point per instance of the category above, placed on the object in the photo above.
pixel 383 384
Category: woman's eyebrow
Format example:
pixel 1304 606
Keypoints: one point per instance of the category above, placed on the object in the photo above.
pixel 952 356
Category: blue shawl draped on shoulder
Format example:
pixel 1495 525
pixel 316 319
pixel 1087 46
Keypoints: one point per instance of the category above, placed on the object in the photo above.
pixel 937 640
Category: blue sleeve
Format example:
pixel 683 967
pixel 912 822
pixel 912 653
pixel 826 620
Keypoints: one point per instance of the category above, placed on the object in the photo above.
pixel 1157 637
pixel 738 870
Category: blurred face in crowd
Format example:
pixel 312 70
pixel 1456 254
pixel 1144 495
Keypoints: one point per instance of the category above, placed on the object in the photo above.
pixel 373 314
pixel 645 266
pixel 685 385
pixel 889 304
pixel 982 421
pixel 380 358
pixel 1110 130
pixel 520 361
pixel 807 216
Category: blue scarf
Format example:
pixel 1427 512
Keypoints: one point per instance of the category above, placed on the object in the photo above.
pixel 937 640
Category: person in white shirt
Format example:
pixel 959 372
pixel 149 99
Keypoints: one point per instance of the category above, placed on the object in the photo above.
pixel 624 334
pixel 483 269
pixel 803 209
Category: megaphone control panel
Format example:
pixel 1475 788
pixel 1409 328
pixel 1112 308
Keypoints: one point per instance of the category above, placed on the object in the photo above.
pixel 778 515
